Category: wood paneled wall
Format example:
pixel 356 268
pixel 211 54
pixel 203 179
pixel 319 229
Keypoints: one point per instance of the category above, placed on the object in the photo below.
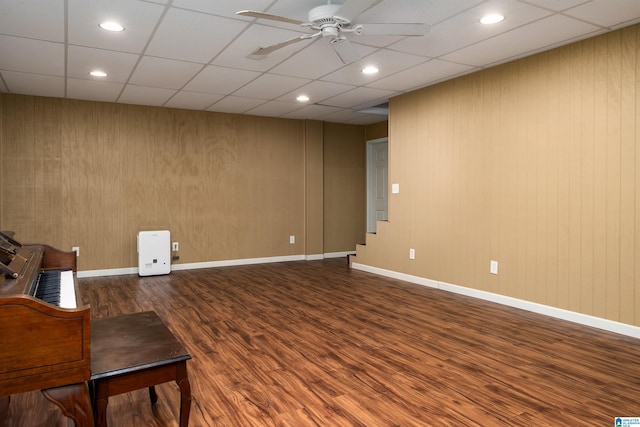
pixel 534 164
pixel 91 174
pixel 345 186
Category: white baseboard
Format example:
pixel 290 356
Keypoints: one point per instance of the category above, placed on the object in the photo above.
pixel 110 272
pixel 213 264
pixel 316 257
pixel 232 262
pixel 339 254
pixel 559 313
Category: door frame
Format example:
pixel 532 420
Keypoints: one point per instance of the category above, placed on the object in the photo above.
pixel 371 211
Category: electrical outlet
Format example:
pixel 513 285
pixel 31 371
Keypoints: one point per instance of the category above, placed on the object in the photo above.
pixel 493 268
pixel 292 240
pixel 76 249
pixel 175 246
pixel 412 253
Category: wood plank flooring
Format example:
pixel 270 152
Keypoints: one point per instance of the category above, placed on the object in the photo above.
pixel 317 344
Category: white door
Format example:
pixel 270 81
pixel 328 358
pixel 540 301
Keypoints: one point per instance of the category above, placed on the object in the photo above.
pixel 377 182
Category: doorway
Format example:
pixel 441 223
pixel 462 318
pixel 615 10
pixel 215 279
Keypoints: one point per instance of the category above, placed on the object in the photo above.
pixel 377 182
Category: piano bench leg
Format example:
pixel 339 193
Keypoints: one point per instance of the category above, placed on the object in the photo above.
pixel 74 402
pixel 153 395
pixel 4 408
pixel 100 402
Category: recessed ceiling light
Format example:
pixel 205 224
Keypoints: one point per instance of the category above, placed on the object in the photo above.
pixel 493 18
pixel 302 98
pixel 97 73
pixel 111 26
pixel 370 69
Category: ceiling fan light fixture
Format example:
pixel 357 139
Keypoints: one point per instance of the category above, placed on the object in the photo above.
pixel 111 26
pixel 334 22
pixel 370 69
pixel 302 98
pixel 492 18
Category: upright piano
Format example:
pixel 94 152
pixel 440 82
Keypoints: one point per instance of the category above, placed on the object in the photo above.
pixel 44 329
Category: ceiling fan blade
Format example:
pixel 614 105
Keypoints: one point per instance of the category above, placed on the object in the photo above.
pixel 345 50
pixel 269 49
pixel 262 15
pixel 396 29
pixel 352 8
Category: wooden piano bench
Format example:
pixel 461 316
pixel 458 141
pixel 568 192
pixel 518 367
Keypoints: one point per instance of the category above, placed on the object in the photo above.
pixel 135 351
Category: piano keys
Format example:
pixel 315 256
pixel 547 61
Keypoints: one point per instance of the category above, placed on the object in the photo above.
pixel 45 336
pixel 56 287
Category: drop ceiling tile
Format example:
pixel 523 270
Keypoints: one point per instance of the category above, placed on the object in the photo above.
pixel 33 19
pixel 93 90
pixel 34 84
pixel 521 41
pixel 117 65
pixel 427 11
pixel 235 104
pixel 421 75
pixel 273 109
pixel 376 40
pixel 346 116
pixel 220 80
pixel 359 96
pixel 316 60
pixel 31 56
pixel 447 36
pixel 317 91
pixel 192 100
pixel 239 54
pixel 607 13
pixel 139 19
pixel 311 112
pixel 556 5
pixel 143 95
pixel 226 8
pixel 32 36
pixel 270 86
pixel 193 36
pixel 388 62
pixel 166 73
pixel 295 9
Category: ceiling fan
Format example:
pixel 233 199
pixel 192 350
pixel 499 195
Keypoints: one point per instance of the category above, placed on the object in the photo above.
pixel 335 21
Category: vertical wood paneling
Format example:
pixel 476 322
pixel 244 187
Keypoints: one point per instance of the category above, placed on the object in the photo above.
pixel 587 178
pixel 2 164
pixel 561 182
pixel 613 200
pixel 90 174
pixel 550 74
pixel 496 156
pixel 345 187
pixel 627 173
pixel 314 177
pixel 574 122
pixel 377 130
pixel 636 137
pixel 600 182
pixel 508 192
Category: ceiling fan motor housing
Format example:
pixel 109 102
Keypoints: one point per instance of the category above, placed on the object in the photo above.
pixel 324 15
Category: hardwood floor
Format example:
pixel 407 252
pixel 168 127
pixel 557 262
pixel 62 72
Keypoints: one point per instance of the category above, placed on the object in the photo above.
pixel 317 344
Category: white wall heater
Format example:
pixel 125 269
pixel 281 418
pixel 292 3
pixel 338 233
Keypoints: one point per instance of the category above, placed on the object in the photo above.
pixel 154 252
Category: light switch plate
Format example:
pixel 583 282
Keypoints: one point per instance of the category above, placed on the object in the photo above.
pixel 493 269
